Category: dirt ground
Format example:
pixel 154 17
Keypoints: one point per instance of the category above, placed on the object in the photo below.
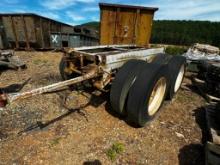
pixel 41 130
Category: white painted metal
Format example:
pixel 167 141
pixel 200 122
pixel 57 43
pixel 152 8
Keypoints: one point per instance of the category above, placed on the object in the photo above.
pixel 132 54
pixel 179 78
pixel 101 46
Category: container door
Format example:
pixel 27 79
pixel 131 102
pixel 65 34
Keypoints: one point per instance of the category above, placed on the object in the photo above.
pixel 125 27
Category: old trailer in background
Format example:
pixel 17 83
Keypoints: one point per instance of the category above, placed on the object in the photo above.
pixel 27 30
pixel 123 24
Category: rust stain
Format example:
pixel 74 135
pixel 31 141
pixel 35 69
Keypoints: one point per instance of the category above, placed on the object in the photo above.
pixel 123 24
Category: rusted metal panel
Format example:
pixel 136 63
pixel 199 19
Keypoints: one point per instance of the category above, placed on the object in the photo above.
pixel 55 27
pixel 26 33
pixel 114 56
pixel 124 29
pixel 2 34
pixel 29 23
pixel 66 29
pixel 1 42
pixel 19 28
pixel 27 30
pixel 144 28
pixel 46 33
pixel 7 25
pixel 38 33
pixel 123 24
pixel 107 30
pixel 14 31
pixel 19 31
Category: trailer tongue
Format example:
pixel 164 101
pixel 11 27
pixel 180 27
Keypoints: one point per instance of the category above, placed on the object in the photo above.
pixel 9 98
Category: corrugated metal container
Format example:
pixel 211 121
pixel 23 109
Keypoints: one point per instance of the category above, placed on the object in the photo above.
pixel 75 40
pixel 123 24
pixel 27 30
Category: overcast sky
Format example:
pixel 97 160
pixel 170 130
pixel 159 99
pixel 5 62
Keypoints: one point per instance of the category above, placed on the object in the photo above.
pixel 80 11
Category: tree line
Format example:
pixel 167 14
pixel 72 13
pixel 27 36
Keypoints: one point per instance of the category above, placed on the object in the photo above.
pixel 181 32
pixel 186 32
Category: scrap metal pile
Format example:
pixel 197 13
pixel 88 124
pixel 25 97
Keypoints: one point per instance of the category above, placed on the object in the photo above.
pixel 203 52
pixel 206 60
pixel 9 60
pixel 210 73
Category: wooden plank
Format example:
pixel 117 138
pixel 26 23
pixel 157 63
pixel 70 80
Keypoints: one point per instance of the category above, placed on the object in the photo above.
pixel 213 98
pixel 213 123
pixel 200 84
pixel 212 154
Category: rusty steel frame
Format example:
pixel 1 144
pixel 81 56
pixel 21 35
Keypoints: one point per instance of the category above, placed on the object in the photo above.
pixel 103 67
pixel 109 60
pixel 9 98
pixel 118 56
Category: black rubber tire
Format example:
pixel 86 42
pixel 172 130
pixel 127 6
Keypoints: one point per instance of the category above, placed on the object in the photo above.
pixel 174 67
pixel 161 58
pixel 124 79
pixel 140 92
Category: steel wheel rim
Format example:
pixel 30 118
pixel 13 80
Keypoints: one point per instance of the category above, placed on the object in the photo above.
pixel 157 96
pixel 179 79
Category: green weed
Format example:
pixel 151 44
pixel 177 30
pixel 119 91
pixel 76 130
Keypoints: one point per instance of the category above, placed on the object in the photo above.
pixel 115 150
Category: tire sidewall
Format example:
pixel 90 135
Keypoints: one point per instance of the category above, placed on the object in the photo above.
pixel 143 112
pixel 140 93
pixel 174 67
pixel 122 83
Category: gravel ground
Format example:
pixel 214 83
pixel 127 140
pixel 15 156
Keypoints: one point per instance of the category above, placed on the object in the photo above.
pixel 41 130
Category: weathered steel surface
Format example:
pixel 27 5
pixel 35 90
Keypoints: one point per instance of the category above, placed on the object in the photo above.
pixel 113 56
pixel 132 54
pixel 123 24
pixel 34 31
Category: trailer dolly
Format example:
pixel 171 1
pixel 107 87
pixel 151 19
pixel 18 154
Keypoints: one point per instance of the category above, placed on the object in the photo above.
pixel 139 81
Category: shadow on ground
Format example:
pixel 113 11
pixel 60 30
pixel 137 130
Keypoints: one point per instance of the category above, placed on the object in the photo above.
pixel 95 162
pixel 93 101
pixel 194 154
pixel 14 87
